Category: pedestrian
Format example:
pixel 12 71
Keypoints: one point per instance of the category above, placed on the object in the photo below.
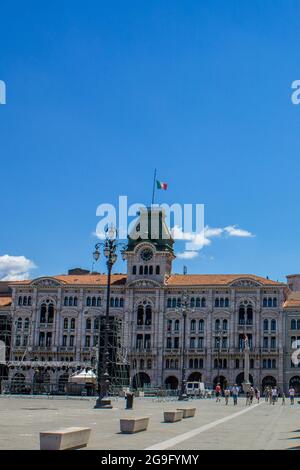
pixel 283 398
pixel 218 392
pixel 251 395
pixel 266 392
pixel 257 394
pixel 274 395
pixel 248 397
pixel 235 393
pixel 227 395
pixel 292 395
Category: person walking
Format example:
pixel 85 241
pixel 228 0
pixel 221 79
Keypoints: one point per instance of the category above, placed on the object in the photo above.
pixel 218 391
pixel 283 398
pixel 251 395
pixel 235 393
pixel 257 394
pixel 292 395
pixel 274 395
pixel 227 395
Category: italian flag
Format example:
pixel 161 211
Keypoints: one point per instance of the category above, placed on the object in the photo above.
pixel 161 185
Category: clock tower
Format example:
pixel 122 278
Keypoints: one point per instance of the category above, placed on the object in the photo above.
pixel 149 250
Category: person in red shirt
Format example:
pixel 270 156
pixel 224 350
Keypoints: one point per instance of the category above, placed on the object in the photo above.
pixel 218 392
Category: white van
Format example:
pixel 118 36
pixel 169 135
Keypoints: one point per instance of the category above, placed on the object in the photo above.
pixel 195 388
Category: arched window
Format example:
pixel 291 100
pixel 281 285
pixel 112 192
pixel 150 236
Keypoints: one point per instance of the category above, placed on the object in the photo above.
pixel 142 364
pixel 193 325
pixel 157 269
pixel 203 302
pixel 98 301
pixel 249 315
pixel 121 302
pixel 298 324
pixel 217 325
pixel 25 300
pixel 273 325
pixel 215 363
pixel 117 302
pixel 26 324
pixel 148 317
pixel 191 364
pixel 273 363
pixel 140 315
pixel 192 302
pixel 251 363
pixel 141 270
pixel 293 324
pixel 226 302
pixel 94 302
pixel 20 301
pixel 169 303
pixel 265 302
pixel 66 323
pixel 112 302
pixel 198 302
pixel 88 302
pixel 146 270
pixel 222 302
pixel 176 325
pixel 225 325
pixel 29 300
pixel 66 301
pixel 150 270
pixel 264 363
pixel 201 325
pixel 134 270
pixel 88 324
pixel 75 301
pixel 242 315
pixel 270 302
pixel 225 364
pixel 70 301
pixel 149 364
pixel 173 302
pixel 217 302
pixel 237 363
pixel 275 302
pixel 269 363
pixel 179 302
pixel 43 313
pixel 73 323
pixel 96 324
pixel 19 323
pixel 50 313
pixel 196 365
pixel 266 325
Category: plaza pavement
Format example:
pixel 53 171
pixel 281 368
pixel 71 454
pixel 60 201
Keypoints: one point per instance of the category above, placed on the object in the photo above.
pixel 215 425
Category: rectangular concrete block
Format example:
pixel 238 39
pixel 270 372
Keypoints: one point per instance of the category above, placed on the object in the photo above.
pixel 173 416
pixel 65 439
pixel 188 412
pixel 132 425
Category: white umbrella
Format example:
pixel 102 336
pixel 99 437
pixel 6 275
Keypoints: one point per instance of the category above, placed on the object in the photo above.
pixel 85 376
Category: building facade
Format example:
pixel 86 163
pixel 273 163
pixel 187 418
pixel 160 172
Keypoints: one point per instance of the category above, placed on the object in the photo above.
pixel 55 322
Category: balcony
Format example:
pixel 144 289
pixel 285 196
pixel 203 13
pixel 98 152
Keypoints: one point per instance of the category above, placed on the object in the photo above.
pixel 143 350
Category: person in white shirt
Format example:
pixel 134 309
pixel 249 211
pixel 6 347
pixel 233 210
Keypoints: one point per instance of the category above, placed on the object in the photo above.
pixel 292 395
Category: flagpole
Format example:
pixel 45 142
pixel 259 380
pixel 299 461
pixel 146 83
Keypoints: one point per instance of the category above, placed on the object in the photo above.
pixel 153 191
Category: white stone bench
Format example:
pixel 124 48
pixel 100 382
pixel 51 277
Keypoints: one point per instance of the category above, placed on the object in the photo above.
pixel 188 412
pixel 173 415
pixel 132 425
pixel 65 439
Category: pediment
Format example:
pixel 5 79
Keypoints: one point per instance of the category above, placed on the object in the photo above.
pixel 246 283
pixel 47 282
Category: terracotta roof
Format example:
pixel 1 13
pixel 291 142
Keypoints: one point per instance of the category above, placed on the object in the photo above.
pixel 5 301
pixel 215 279
pixel 293 300
pixel 173 280
pixel 98 279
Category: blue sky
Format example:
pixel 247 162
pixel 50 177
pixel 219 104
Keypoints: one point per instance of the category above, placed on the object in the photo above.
pixel 99 93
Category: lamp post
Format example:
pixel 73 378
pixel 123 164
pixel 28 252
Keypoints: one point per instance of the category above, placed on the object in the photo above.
pixel 109 249
pixel 218 337
pixel 184 308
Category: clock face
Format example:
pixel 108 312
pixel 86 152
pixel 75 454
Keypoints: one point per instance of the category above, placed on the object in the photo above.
pixel 146 254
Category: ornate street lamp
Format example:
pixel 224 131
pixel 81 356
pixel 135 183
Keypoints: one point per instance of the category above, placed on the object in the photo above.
pixel 109 249
pixel 219 334
pixel 184 309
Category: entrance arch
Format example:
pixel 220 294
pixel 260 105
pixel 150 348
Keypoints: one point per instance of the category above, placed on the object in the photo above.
pixel 171 382
pixel 141 380
pixel 221 380
pixel 240 379
pixel 195 377
pixel 295 383
pixel 268 381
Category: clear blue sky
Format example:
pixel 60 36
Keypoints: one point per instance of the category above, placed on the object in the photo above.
pixel 99 93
